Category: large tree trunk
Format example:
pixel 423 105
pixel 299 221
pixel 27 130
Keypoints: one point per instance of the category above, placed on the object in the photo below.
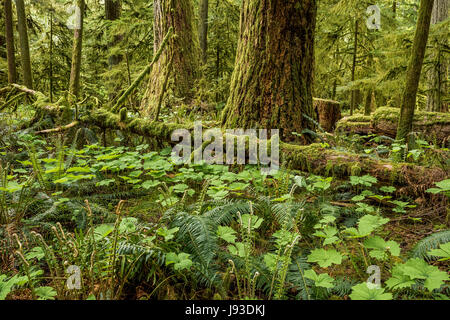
pixel 183 49
pixel 437 76
pixel 10 52
pixel 24 45
pixel 271 87
pixel 203 29
pixel 75 72
pixel 414 69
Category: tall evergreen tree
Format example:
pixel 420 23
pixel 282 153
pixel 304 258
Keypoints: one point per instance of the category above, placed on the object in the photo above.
pixel 10 51
pixel 438 74
pixel 272 83
pixel 183 50
pixel 75 72
pixel 414 69
pixel 203 28
pixel 24 44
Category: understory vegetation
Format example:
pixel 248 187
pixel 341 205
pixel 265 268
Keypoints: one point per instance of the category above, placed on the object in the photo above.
pixel 207 231
pixel 93 206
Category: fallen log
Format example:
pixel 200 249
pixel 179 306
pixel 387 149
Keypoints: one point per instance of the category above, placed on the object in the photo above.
pixel 328 113
pixel 414 180
pixel 435 126
pixel 356 124
pixel 432 126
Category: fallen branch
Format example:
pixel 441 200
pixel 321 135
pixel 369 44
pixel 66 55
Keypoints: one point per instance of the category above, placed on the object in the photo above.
pixel 59 129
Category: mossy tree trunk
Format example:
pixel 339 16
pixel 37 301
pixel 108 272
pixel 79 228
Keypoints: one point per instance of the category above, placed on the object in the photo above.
pixel 414 70
pixel 272 83
pixel 368 102
pixel 354 92
pixel 24 44
pixel 75 72
pixel 438 74
pixel 112 12
pixel 183 49
pixel 10 51
pixel 203 29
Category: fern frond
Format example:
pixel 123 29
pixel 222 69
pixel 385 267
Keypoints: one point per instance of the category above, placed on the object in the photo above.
pixel 433 241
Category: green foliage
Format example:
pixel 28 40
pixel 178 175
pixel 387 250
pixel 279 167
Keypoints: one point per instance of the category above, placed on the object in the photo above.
pixel 433 241
pixel 415 269
pixel 363 292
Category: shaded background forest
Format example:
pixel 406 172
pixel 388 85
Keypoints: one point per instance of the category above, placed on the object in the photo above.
pixel 116 48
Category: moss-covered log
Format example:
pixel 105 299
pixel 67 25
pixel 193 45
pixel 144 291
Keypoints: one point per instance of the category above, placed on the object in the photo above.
pixel 414 180
pixel 313 158
pixel 356 124
pixel 433 126
pixel 328 112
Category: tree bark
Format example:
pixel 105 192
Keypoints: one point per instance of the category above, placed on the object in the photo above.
pixel 272 83
pixel 112 13
pixel 203 29
pixel 368 103
pixel 10 51
pixel 353 99
pixel 24 44
pixel 438 74
pixel 75 72
pixel 183 47
pixel 414 70
pixel 328 113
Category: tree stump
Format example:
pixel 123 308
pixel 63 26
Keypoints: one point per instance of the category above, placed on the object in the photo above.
pixel 328 112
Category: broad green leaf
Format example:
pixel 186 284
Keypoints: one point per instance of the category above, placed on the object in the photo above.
pixel 227 234
pixel 363 292
pixel 321 280
pixel 325 258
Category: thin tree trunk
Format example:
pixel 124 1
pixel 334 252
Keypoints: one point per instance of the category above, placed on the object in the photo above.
pixel 10 52
pixel 203 29
pixel 112 13
pixel 438 74
pixel 184 48
pixel 272 83
pixel 414 70
pixel 355 53
pixel 74 86
pixel 51 55
pixel 24 45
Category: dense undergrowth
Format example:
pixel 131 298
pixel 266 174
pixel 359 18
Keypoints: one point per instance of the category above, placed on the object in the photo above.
pixel 125 222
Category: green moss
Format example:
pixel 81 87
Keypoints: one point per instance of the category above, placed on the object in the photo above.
pixel 420 117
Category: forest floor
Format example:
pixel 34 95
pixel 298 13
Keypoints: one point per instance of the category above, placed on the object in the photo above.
pixel 132 224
